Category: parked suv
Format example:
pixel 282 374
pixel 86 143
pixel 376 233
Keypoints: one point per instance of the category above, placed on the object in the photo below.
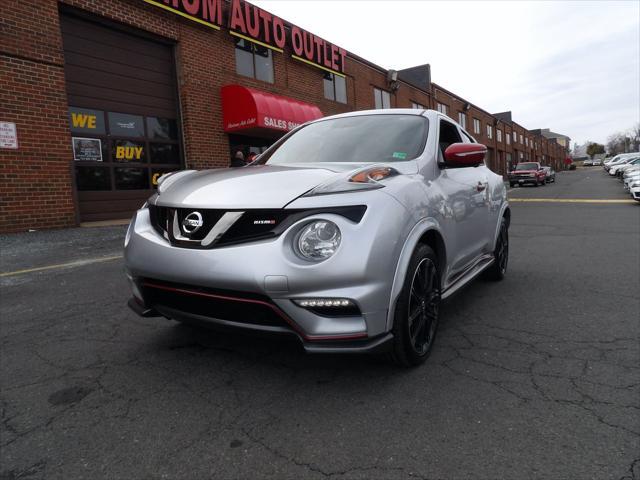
pixel 527 173
pixel 347 234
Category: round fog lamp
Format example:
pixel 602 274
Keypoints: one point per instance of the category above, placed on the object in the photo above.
pixel 319 240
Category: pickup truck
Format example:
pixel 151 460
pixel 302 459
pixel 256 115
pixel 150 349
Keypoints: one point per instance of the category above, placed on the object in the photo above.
pixel 527 172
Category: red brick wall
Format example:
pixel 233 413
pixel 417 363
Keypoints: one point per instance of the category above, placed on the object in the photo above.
pixel 35 180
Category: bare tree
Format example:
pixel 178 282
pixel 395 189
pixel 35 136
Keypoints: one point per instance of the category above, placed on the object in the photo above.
pixel 616 143
pixel 635 137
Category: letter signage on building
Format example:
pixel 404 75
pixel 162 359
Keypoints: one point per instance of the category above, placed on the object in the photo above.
pixel 254 24
pixel 204 12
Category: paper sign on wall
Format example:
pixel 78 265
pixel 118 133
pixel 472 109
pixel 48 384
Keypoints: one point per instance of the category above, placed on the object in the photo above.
pixel 87 149
pixel 8 135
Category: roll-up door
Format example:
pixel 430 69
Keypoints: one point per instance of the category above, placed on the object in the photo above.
pixel 123 115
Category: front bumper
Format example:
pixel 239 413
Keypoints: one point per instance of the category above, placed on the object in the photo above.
pixel 524 180
pixel 361 270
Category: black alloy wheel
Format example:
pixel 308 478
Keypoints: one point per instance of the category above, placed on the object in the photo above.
pixel 416 317
pixel 498 269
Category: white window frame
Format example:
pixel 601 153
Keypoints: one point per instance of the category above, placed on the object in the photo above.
pixel 507 137
pixel 515 137
pixel 476 126
pixel 489 131
pixel 442 108
pixel 379 97
pixel 333 78
pixel 521 140
pixel 462 119
pixel 417 106
pixel 499 135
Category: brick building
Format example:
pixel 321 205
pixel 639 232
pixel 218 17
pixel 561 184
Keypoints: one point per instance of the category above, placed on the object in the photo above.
pixel 106 95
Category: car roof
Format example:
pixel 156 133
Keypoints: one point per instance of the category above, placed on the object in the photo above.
pixel 382 111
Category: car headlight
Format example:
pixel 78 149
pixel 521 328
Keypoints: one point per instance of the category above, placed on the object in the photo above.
pixel 367 178
pixel 318 240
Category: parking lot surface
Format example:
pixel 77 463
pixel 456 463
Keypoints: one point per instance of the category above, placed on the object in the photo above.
pixel 534 377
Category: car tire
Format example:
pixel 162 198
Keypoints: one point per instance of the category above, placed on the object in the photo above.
pixel 498 269
pixel 415 321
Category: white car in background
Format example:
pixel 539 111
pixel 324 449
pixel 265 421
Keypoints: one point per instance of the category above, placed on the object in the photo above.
pixel 631 181
pixel 618 159
pixel 619 167
pixel 597 161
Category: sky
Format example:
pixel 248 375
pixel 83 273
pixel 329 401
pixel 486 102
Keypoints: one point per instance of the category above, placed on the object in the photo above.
pixel 570 66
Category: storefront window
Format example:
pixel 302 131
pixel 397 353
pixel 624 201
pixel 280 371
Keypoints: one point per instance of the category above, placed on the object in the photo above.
pixel 128 151
pixel 254 61
pixel 125 125
pixel 162 128
pixel 86 121
pixel 124 145
pixel 164 153
pixel 335 87
pixel 93 178
pixel 131 178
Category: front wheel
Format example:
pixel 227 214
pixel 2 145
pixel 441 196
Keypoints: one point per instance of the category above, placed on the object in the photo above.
pixel 416 315
pixel 498 269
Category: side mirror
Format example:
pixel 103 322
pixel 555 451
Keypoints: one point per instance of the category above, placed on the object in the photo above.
pixel 464 154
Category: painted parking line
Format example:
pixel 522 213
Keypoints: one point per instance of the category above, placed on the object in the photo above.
pixel 77 263
pixel 570 200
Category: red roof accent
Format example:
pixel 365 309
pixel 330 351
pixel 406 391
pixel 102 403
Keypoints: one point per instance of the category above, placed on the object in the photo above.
pixel 245 108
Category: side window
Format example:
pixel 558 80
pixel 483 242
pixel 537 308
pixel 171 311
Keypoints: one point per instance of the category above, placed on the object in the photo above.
pixel 467 137
pixel 448 134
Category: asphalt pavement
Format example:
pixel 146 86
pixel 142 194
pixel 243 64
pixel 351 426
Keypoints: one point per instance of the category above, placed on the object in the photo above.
pixel 537 376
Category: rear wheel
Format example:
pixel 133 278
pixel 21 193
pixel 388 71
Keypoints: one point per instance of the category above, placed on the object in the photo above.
pixel 416 316
pixel 498 269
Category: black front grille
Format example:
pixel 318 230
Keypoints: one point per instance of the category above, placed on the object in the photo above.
pixel 254 224
pixel 239 307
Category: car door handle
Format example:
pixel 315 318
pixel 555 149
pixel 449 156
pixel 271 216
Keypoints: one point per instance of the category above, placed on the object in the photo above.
pixel 481 187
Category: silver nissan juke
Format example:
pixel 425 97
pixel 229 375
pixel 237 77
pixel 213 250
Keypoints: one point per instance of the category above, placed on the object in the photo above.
pixel 347 233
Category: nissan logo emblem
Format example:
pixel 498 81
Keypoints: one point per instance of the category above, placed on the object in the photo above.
pixel 192 223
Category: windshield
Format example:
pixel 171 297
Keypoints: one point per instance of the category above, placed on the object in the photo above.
pixel 359 139
pixel 527 166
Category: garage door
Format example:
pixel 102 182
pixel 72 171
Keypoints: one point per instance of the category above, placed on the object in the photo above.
pixel 122 114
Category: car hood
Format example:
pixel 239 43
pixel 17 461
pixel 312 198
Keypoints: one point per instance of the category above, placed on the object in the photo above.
pixel 262 186
pixel 520 172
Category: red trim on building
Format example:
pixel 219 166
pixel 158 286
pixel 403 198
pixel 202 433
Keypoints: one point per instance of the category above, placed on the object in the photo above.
pixel 245 108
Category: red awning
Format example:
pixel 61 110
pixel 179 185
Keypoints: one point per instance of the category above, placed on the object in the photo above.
pixel 248 109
